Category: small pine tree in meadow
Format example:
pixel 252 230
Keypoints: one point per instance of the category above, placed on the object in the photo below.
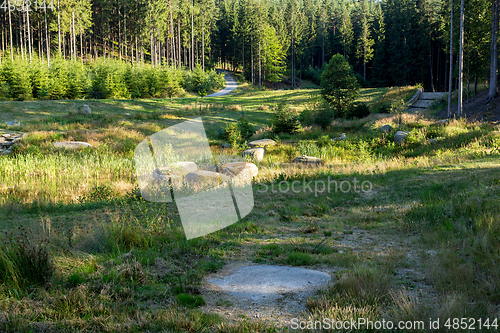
pixel 339 85
pixel 284 120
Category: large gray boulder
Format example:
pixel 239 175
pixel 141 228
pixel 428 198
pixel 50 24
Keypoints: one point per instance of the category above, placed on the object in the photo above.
pixel 261 143
pixel 257 153
pixel 307 160
pixel 240 170
pixel 204 179
pixel 400 136
pixel 386 128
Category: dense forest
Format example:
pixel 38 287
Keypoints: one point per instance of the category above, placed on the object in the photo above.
pixel 388 42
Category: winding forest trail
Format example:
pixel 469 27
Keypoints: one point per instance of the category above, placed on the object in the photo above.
pixel 231 84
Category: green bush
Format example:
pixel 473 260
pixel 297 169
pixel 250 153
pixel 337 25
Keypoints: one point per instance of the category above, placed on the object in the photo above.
pixel 284 121
pixel 359 110
pixel 16 79
pixel 203 82
pixel 324 117
pixel 108 78
pixel 237 133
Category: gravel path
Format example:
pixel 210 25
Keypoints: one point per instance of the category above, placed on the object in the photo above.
pixel 231 84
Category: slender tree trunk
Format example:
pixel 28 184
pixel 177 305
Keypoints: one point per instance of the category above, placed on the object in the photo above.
pixel 29 32
pixel 11 43
pixel 493 50
pixel 364 61
pixel 461 61
pixel 74 36
pixel 25 36
pixel 132 51
pixel 179 41
pixel 40 42
pixel 172 40
pixel 203 39
pixel 21 37
pixel 59 28
pixel 243 54
pixel 112 42
pixel 260 69
pixel 125 29
pixel 81 47
pixel 323 46
pixel 431 69
pixel 47 41
pixel 152 45
pixel 192 35
pixel 293 64
pixel 119 33
pixel 142 52
pixel 251 57
pixel 475 83
pixel 450 82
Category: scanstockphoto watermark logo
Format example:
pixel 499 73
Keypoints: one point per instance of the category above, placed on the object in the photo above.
pixel 318 187
pixel 211 192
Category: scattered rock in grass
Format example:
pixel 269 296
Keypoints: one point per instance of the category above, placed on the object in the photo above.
pixel 386 128
pixel 210 167
pixel 174 171
pixel 400 136
pixel 441 122
pixel 13 123
pixel 263 107
pixel 307 160
pixel 9 140
pixel 225 145
pixel 341 137
pixel 128 114
pixel 72 144
pixel 240 170
pixel 205 177
pixel 261 143
pixel 85 109
pixel 257 153
pixel 431 141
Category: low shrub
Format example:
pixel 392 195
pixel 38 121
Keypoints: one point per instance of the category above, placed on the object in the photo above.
pixel 285 121
pixel 190 301
pixel 359 110
pixel 237 133
pixel 25 261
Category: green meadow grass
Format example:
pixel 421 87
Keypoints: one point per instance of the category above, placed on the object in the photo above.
pixel 423 243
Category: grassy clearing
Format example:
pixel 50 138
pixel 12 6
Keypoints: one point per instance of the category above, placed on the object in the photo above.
pixel 422 243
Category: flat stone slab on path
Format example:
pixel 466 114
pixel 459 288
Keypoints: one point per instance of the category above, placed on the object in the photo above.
pixel 72 144
pixel 269 282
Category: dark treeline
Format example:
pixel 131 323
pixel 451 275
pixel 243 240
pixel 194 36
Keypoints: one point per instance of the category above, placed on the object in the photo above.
pixel 388 42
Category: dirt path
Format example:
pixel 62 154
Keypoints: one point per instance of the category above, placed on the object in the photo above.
pixel 231 84
pixel 409 274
